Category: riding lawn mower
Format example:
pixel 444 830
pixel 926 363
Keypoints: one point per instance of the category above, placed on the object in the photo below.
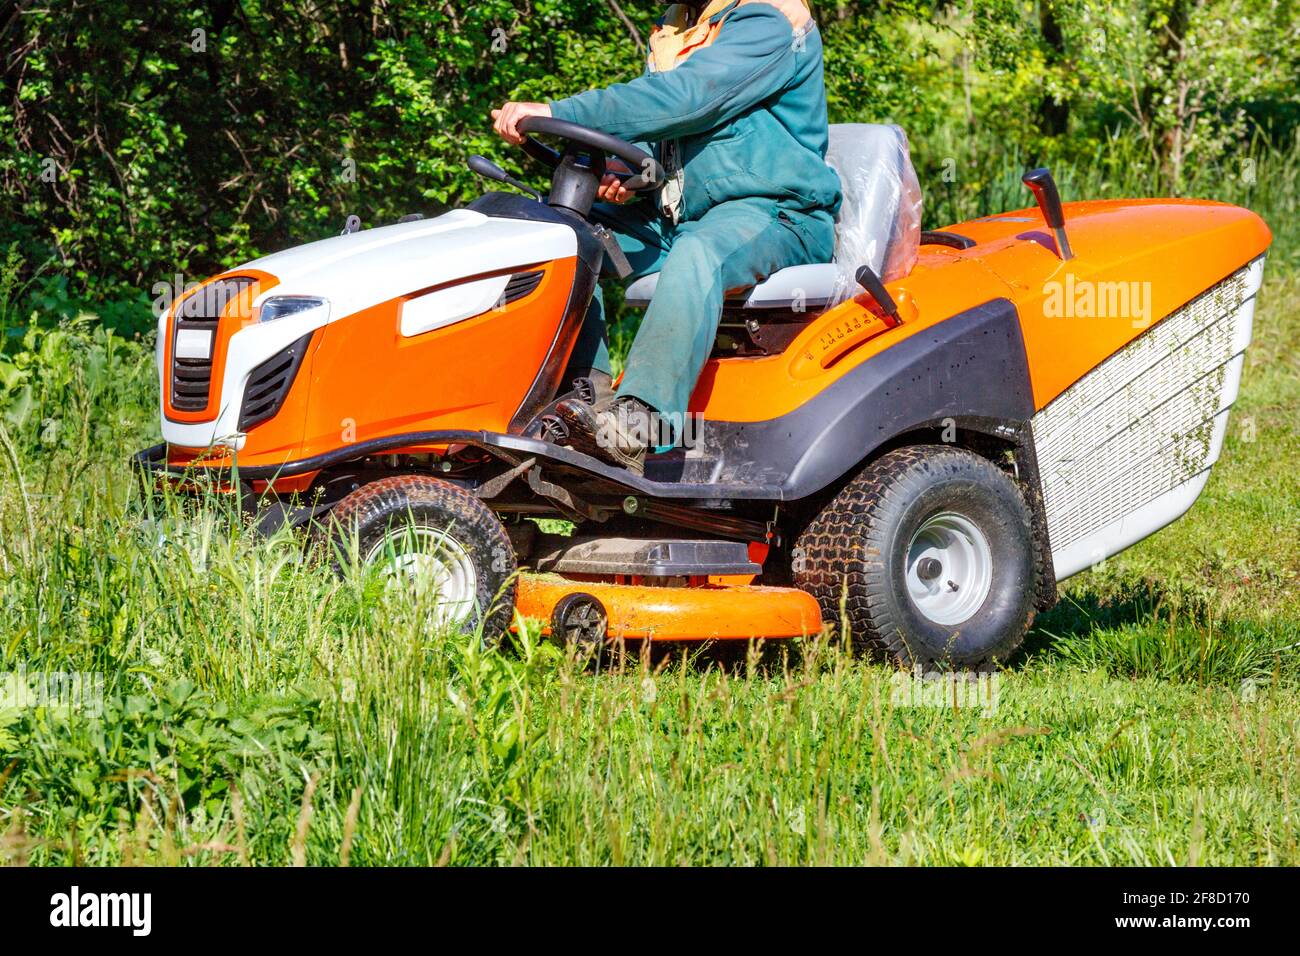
pixel 917 456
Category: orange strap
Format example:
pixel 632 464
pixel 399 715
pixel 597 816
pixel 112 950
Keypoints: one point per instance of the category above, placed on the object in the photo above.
pixel 680 34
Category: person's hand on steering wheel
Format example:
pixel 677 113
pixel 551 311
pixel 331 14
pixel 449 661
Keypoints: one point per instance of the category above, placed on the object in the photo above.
pixel 611 187
pixel 507 119
pixel 624 168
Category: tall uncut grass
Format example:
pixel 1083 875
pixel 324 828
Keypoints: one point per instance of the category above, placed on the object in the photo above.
pixel 258 709
pixel 985 179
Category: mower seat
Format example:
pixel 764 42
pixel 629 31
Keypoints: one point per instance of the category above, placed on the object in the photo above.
pixel 812 286
pixel 879 225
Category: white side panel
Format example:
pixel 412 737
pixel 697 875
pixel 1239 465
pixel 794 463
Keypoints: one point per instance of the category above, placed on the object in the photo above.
pixel 1127 448
pixel 437 310
pixel 160 349
pixel 248 349
pixel 324 254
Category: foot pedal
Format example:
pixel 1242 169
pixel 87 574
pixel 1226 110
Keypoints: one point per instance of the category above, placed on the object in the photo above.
pixel 553 430
pixel 585 389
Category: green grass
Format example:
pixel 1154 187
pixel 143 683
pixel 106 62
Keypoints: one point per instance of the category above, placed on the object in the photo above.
pixel 260 710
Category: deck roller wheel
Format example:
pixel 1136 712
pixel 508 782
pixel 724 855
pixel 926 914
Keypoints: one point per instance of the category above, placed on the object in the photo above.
pixel 580 619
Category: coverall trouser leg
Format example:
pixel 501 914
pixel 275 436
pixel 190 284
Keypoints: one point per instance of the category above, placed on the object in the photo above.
pixel 732 246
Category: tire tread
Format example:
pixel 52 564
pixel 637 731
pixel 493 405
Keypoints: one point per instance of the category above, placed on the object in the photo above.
pixel 843 549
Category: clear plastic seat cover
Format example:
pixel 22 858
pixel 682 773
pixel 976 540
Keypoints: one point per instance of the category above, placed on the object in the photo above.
pixel 879 225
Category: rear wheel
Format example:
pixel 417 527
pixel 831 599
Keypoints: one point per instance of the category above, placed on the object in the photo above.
pixel 931 549
pixel 435 541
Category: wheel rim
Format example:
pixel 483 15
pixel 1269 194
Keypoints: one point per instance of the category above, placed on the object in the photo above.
pixel 431 565
pixel 949 568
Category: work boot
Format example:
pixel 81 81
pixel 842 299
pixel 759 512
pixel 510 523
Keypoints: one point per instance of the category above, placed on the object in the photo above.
pixel 615 432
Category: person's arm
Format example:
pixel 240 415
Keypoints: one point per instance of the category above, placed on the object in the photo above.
pixel 752 59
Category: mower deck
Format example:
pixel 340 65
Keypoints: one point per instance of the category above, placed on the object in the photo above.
pixel 704 612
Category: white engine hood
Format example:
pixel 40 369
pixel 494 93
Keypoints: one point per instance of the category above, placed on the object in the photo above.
pixel 364 268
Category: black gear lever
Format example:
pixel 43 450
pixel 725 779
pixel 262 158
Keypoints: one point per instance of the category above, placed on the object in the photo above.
pixel 490 170
pixel 1043 186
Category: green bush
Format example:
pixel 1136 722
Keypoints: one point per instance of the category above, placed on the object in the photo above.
pixel 144 142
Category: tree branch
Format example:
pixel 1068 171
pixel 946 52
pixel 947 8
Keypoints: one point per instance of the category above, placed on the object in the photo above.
pixel 627 22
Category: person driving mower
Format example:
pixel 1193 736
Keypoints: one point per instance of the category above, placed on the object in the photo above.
pixel 734 101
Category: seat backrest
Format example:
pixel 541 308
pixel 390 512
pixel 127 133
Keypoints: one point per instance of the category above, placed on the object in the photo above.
pixel 879 223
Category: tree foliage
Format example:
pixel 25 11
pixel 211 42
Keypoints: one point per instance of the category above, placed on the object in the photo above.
pixel 144 140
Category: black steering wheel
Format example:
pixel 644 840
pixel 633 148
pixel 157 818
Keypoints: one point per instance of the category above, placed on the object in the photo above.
pixel 585 151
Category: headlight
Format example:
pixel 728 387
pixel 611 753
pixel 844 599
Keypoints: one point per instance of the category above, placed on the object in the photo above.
pixel 281 306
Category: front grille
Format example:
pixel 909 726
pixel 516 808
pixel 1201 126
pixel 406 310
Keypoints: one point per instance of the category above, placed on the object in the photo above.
pixel 269 383
pixel 520 285
pixel 191 380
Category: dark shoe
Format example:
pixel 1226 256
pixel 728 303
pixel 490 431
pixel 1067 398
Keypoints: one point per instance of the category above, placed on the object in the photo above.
pixel 610 434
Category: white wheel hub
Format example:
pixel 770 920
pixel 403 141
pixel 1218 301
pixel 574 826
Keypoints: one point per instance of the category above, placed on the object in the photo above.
pixel 949 568
pixel 432 566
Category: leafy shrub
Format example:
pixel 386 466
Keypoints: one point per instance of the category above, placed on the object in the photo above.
pixel 222 132
pixel 68 383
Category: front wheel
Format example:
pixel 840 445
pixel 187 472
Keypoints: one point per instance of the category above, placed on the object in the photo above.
pixel 435 540
pixel 931 550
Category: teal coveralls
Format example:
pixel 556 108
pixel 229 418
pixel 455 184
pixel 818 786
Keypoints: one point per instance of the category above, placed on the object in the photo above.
pixel 747 117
